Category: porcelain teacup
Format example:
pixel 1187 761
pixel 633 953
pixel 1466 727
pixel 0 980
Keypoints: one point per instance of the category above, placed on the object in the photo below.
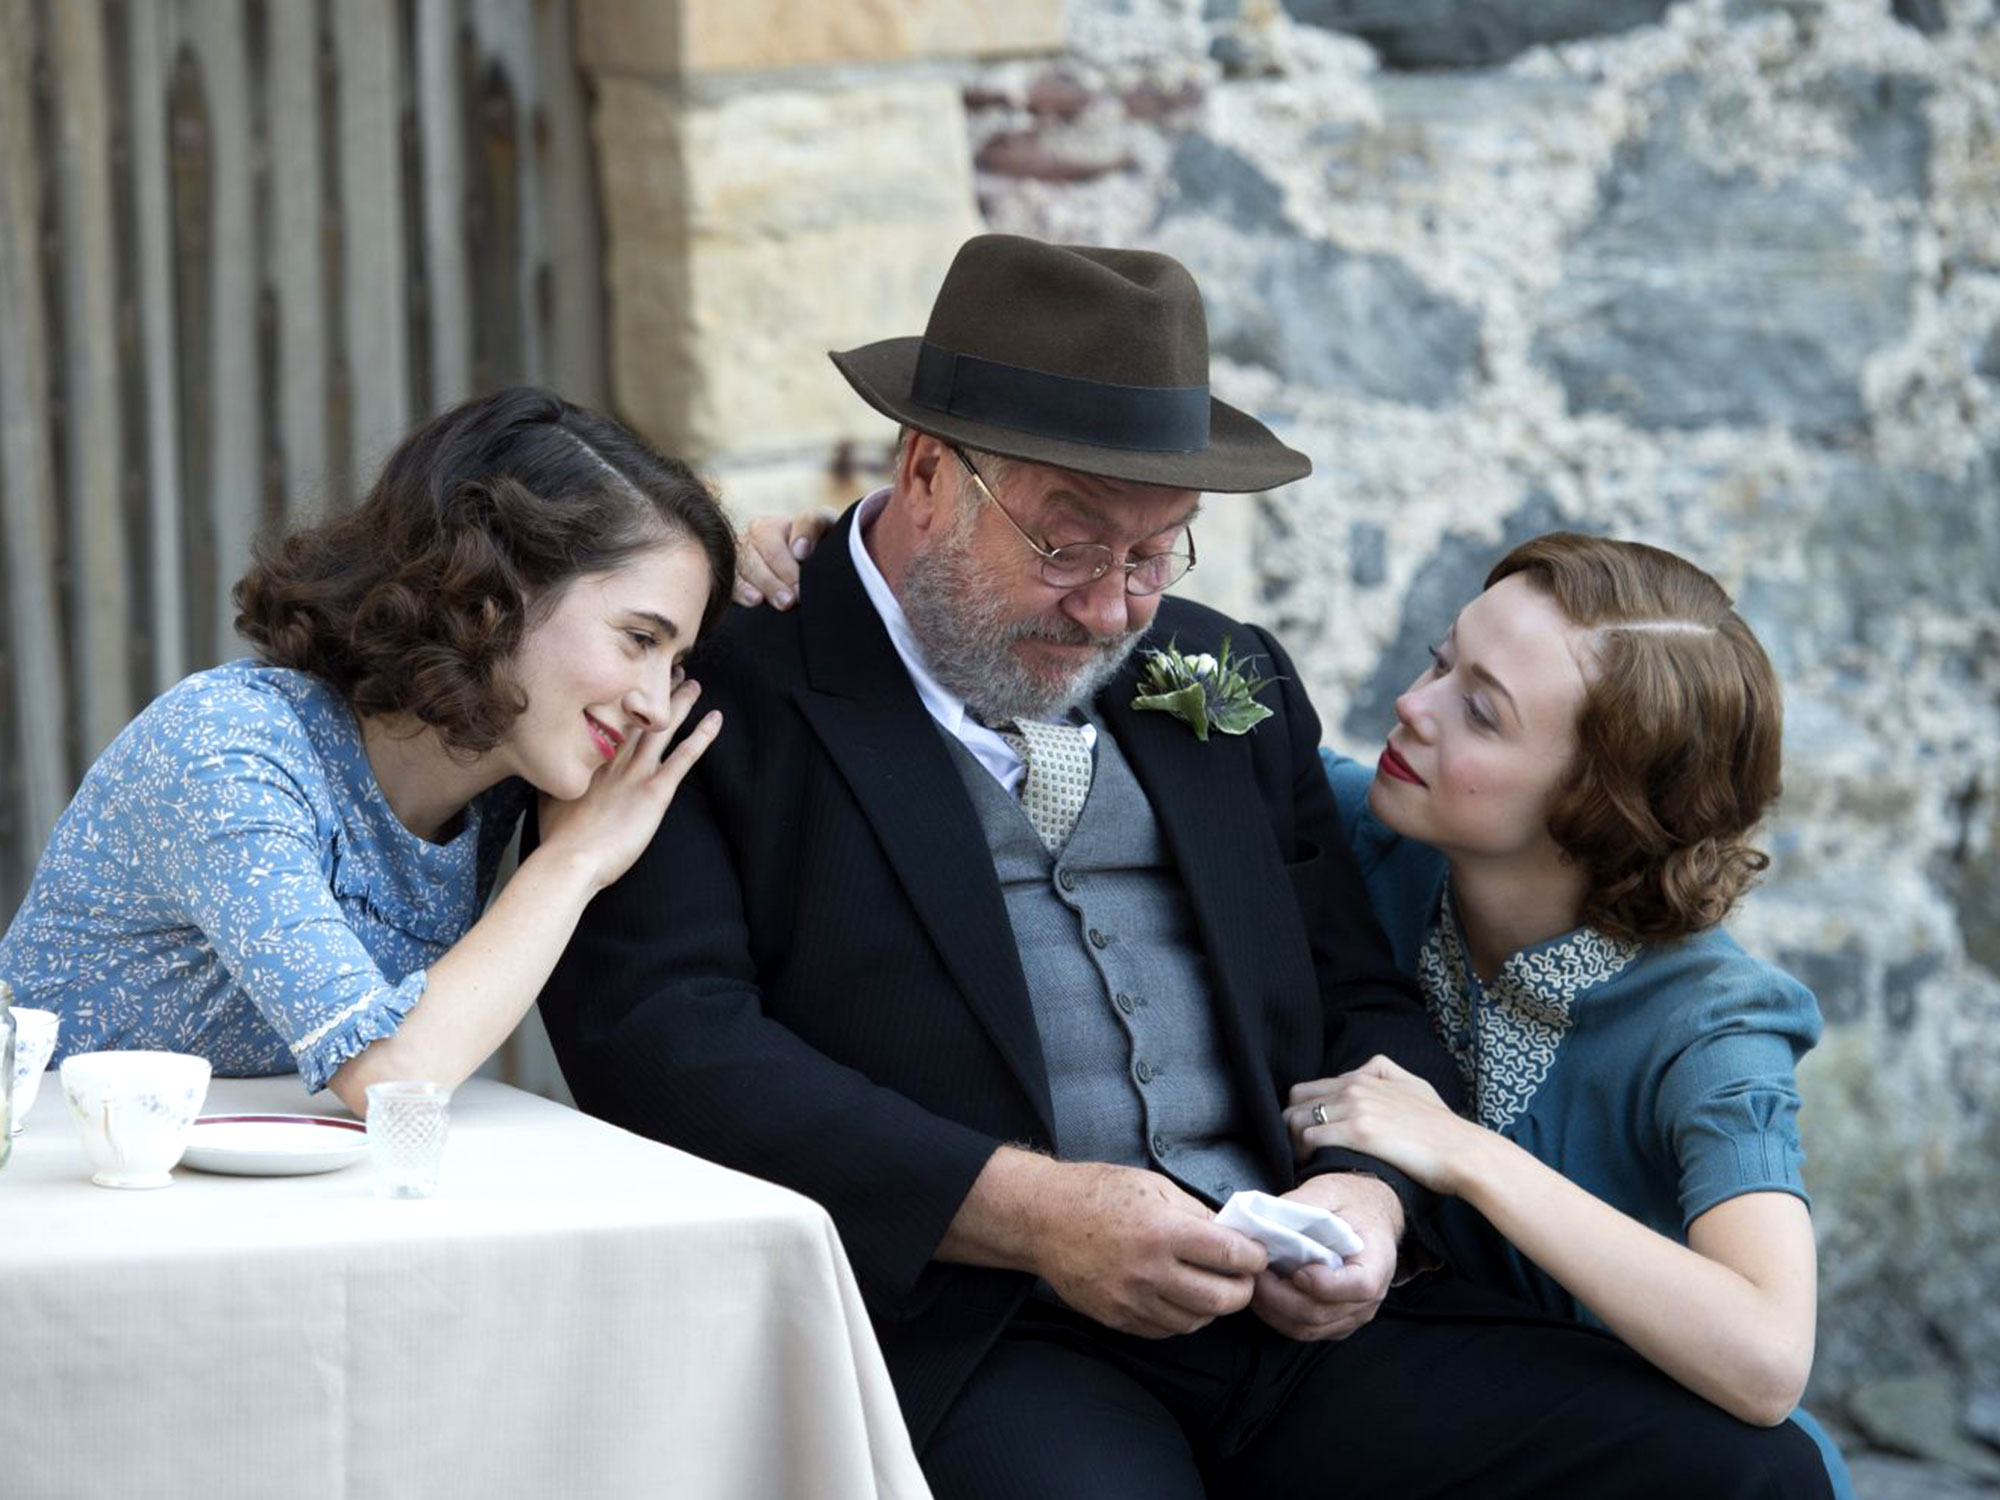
pixel 133 1110
pixel 34 1042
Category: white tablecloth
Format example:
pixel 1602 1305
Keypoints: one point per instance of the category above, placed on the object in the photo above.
pixel 580 1312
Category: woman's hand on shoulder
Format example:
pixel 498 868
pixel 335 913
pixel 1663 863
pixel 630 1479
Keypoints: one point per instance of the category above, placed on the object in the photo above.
pixel 767 562
pixel 1385 1111
pixel 609 826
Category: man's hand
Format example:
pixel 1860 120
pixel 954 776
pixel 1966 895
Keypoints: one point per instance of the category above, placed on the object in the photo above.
pixel 1325 1302
pixel 1137 1254
pixel 769 553
pixel 1120 1245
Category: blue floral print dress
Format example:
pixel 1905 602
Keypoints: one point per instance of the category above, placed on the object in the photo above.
pixel 230 881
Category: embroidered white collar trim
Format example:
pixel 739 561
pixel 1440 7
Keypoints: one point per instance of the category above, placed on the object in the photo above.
pixel 1504 1036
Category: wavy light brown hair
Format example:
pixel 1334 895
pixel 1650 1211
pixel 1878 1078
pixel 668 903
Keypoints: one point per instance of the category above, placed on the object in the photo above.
pixel 416 600
pixel 1678 738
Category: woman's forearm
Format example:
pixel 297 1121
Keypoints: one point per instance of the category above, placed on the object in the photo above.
pixel 478 991
pixel 1732 1321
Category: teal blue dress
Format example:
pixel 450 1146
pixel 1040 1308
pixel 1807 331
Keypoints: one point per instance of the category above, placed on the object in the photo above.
pixel 1660 1077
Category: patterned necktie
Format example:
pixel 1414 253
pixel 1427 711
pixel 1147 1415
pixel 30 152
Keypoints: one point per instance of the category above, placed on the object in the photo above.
pixel 1058 779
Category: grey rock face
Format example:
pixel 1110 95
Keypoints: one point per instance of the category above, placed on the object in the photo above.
pixel 1838 980
pixel 1310 311
pixel 1453 575
pixel 1881 1478
pixel 1367 560
pixel 1206 177
pixel 1885 124
pixel 1982 1415
pixel 1328 318
pixel 1970 875
pixel 1927 16
pixel 1878 539
pixel 1471 33
pixel 1702 297
pixel 1918 1415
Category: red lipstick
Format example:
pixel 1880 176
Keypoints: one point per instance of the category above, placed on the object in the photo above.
pixel 1393 765
pixel 608 739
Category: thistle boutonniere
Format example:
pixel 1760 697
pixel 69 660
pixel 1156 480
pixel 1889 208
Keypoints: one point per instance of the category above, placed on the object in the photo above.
pixel 1204 692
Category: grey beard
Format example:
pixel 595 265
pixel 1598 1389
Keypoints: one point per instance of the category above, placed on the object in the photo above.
pixel 967 642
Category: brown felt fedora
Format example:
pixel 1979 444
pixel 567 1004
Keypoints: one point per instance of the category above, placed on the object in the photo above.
pixel 1086 359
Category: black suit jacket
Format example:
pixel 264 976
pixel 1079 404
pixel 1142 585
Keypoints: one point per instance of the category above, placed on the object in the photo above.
pixel 810 974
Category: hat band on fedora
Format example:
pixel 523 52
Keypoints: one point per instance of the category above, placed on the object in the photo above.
pixel 1145 418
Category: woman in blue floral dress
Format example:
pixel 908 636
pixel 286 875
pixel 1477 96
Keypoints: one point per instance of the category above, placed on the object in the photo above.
pixel 284 863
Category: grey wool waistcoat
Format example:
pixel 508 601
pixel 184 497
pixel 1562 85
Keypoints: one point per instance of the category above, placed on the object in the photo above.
pixel 1119 984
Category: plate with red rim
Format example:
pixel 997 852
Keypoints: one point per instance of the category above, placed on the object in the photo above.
pixel 274 1145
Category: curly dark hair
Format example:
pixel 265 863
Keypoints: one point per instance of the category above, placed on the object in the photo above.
pixel 416 600
pixel 1678 738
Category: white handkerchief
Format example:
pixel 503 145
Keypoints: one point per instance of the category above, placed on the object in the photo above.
pixel 1296 1234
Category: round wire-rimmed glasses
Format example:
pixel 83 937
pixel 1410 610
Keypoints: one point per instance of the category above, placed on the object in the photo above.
pixel 1077 563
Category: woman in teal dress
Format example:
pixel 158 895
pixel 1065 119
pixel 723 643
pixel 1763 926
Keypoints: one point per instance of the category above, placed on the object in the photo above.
pixel 1555 829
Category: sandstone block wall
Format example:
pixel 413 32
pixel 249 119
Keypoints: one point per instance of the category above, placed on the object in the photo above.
pixel 685 37
pixel 752 232
pixel 779 180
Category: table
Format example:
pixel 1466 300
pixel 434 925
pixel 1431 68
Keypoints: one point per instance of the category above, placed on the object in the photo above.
pixel 580 1312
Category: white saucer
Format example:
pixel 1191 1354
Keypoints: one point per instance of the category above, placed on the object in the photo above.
pixel 274 1145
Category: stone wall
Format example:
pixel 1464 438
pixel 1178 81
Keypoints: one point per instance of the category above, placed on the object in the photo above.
pixel 778 180
pixel 1724 277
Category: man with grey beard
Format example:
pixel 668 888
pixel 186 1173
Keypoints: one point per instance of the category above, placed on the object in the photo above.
pixel 954 933
pixel 967 637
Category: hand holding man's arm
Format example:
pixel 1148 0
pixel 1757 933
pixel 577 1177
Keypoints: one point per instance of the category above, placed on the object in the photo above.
pixel 1322 1302
pixel 1121 1245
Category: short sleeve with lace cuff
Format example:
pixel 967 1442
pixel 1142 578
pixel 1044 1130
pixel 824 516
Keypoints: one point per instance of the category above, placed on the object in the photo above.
pixel 321 1052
